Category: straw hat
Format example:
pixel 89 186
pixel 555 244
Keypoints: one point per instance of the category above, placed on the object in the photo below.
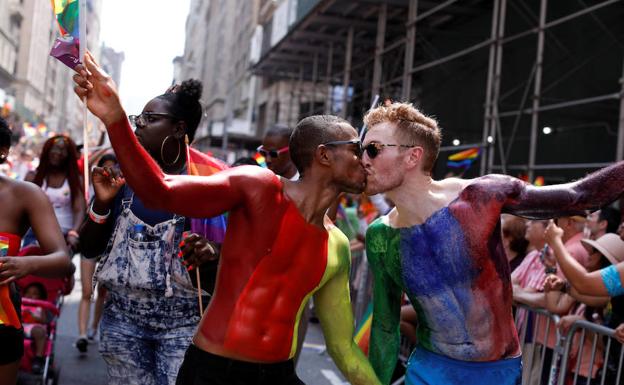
pixel 610 245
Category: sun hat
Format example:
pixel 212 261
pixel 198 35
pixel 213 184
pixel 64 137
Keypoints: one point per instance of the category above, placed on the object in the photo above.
pixel 610 245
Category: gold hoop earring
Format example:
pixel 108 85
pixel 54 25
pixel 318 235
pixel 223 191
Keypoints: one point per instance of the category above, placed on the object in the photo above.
pixel 162 154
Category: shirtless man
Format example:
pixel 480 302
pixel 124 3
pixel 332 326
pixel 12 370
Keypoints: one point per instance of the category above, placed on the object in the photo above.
pixel 279 249
pixel 24 205
pixel 442 246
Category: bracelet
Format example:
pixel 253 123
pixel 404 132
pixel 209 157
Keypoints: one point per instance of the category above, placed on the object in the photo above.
pixel 73 233
pixel 97 218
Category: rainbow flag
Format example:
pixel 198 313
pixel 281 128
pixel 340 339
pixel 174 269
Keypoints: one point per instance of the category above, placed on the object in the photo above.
pixel 463 159
pixel 213 229
pixel 66 48
pixel 8 315
pixel 539 181
pixel 362 334
pixel 260 160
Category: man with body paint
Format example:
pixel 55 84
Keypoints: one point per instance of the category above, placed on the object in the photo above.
pixel 279 250
pixel 442 245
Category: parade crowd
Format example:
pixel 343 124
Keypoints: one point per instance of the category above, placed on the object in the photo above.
pixel 207 273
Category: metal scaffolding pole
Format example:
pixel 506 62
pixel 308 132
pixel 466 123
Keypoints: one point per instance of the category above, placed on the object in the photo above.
pixel 379 48
pixel 537 84
pixel 314 84
pixel 620 139
pixel 495 127
pixel 490 78
pixel 347 73
pixel 410 43
pixel 328 75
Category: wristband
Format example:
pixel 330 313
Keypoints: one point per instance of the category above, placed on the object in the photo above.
pixel 97 218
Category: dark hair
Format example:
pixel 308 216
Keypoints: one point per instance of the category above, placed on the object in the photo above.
pixel 107 158
pixel 71 164
pixel 280 130
pixel 515 229
pixel 309 134
pixel 43 293
pixel 246 161
pixel 184 104
pixel 5 134
pixel 612 216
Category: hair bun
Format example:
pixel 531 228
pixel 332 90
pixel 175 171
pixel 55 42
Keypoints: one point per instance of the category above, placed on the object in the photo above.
pixel 191 88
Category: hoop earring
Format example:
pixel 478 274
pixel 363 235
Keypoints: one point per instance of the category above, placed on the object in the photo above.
pixel 162 154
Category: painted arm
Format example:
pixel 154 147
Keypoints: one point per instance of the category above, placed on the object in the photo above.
pixel 590 193
pixel 191 196
pixel 333 307
pixel 385 336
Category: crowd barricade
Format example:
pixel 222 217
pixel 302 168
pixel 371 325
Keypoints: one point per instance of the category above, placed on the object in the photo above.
pixel 587 353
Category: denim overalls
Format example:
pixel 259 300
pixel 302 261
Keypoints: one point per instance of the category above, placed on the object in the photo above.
pixel 151 313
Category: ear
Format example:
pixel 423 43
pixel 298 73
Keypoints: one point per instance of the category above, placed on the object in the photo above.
pixel 323 155
pixel 180 129
pixel 415 156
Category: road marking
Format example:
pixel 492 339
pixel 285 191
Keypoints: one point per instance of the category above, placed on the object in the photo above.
pixel 332 377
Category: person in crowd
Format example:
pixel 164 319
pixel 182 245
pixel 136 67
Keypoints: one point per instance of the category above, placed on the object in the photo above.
pixel 605 220
pixel 245 161
pixel 514 241
pixel 24 205
pixel 58 176
pixel 442 246
pixel 275 150
pixel 264 279
pixel 34 319
pixel 152 308
pixel 87 268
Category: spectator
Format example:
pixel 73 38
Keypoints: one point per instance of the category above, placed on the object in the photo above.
pixel 605 220
pixel 274 148
pixel 514 241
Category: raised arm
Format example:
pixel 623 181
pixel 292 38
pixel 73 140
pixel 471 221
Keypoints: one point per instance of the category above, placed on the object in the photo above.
pixel 590 193
pixel 385 336
pixel 186 195
pixel 333 307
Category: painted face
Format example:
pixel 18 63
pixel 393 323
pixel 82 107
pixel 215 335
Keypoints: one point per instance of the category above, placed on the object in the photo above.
pixel 281 164
pixel 58 152
pixel 347 167
pixel 156 124
pixel 385 171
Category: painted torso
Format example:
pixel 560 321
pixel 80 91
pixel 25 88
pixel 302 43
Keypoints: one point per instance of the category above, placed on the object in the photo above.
pixel 265 280
pixel 454 270
pixel 9 298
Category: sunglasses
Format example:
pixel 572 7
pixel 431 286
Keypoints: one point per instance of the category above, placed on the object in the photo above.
pixel 146 118
pixel 373 149
pixel 341 142
pixel 272 153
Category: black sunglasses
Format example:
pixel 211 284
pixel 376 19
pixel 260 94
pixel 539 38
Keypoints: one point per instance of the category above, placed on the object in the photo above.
pixel 340 142
pixel 373 149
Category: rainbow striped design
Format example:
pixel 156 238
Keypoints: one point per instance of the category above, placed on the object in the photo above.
pixel 362 334
pixel 260 160
pixel 8 316
pixel 213 229
pixel 67 47
pixel 464 158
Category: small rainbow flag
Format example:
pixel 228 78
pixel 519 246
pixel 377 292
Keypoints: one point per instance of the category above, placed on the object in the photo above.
pixel 464 158
pixel 539 181
pixel 66 48
pixel 260 160
pixel 213 229
pixel 362 334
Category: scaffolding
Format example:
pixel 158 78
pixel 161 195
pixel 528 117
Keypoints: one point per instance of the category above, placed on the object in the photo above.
pixel 493 72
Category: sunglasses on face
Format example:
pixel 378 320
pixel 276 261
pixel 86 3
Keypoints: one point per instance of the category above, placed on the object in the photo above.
pixel 373 148
pixel 271 153
pixel 342 142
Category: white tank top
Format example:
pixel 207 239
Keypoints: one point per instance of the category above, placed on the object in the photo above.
pixel 62 204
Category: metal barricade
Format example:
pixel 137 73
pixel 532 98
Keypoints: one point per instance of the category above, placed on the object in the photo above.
pixel 608 373
pixel 533 324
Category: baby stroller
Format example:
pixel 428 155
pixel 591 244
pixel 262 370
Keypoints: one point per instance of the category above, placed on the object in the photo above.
pixel 56 288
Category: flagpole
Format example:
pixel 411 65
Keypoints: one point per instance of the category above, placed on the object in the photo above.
pixel 197 275
pixel 82 20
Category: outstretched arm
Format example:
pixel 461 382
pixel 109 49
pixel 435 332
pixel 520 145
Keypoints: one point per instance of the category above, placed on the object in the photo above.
pixel 186 195
pixel 590 193
pixel 333 308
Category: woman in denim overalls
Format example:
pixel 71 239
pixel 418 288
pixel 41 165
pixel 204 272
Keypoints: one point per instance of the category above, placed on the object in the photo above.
pixel 152 309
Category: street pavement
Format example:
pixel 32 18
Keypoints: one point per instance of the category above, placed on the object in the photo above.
pixel 315 366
